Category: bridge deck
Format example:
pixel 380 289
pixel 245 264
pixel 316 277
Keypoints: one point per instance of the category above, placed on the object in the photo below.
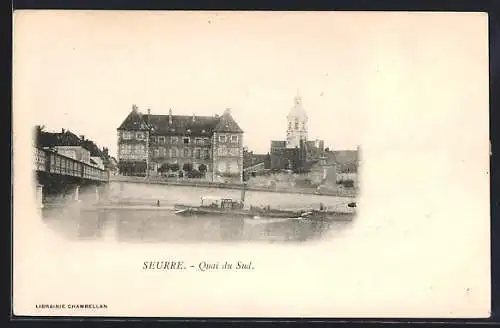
pixel 51 162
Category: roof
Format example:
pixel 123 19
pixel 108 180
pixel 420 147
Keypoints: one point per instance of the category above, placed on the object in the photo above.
pixel 345 156
pixel 181 124
pixel 278 143
pixel 133 121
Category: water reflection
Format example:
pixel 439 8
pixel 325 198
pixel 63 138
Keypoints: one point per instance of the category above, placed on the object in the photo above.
pixel 147 226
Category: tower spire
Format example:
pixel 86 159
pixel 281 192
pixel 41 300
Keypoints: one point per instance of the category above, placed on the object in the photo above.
pixel 297 99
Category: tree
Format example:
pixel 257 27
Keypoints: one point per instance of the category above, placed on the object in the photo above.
pixel 174 167
pixel 163 168
pixel 202 168
pixel 194 174
pixel 187 167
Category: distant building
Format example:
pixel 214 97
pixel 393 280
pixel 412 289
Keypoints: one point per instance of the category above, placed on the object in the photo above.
pixel 295 153
pixel 69 144
pixel 76 152
pixel 250 159
pixel 97 161
pixel 296 124
pixel 151 144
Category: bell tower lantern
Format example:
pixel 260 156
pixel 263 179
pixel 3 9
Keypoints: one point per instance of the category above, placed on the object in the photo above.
pixel 296 123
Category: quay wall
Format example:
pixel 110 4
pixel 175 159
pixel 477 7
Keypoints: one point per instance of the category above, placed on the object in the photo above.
pixel 169 194
pixel 340 192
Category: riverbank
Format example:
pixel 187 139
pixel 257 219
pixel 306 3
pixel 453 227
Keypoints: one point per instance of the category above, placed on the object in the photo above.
pixel 238 186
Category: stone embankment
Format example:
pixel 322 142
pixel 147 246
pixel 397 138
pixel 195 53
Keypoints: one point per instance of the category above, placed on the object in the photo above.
pixel 199 183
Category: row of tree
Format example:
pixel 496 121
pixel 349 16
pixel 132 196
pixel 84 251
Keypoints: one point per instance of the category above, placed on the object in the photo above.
pixel 140 168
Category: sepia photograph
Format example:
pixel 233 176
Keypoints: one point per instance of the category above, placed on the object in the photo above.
pixel 250 164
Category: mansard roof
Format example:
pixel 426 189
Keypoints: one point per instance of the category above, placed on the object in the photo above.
pixel 180 124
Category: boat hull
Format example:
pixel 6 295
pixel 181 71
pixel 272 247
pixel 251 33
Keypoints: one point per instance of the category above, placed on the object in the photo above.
pixel 193 210
pixel 308 215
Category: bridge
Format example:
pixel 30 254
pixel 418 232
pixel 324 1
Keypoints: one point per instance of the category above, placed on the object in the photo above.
pixel 59 175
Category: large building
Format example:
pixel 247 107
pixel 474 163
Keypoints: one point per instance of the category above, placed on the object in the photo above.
pixel 151 144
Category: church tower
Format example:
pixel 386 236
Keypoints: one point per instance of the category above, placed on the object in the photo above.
pixel 296 124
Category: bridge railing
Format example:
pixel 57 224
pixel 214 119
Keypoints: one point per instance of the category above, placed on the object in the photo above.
pixel 50 161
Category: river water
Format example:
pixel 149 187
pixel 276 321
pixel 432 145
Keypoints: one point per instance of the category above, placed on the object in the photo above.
pixel 153 226
pixel 138 225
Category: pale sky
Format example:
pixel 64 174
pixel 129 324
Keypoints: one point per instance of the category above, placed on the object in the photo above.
pixel 93 66
pixel 83 70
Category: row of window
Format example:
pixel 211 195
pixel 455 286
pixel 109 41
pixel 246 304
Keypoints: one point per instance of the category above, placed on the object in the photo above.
pixel 228 138
pixel 132 149
pixel 140 150
pixel 197 153
pixel 183 140
pixel 228 151
pixel 129 135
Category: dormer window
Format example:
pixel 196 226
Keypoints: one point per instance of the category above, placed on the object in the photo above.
pixel 185 140
pixel 222 138
pixel 139 135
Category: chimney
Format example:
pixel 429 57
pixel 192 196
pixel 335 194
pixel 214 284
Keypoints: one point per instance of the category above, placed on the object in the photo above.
pixel 227 111
pixel 149 111
pixel 170 116
pixel 82 137
pixel 62 131
pixel 194 118
pixel 134 108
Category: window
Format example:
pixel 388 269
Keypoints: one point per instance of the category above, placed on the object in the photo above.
pixel 296 124
pixel 222 151
pixel 234 138
pixel 185 140
pixel 206 141
pixel 127 135
pixel 173 139
pixel 197 153
pixel 139 148
pixel 162 151
pixel 153 139
pixel 234 151
pixel 199 141
pixel 161 139
pixel 206 154
pixel 139 135
pixel 289 125
pixel 186 152
pixel 172 152
pixel 222 138
pixel 156 152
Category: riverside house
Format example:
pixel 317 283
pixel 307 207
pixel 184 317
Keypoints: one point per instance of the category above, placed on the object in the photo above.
pixel 194 146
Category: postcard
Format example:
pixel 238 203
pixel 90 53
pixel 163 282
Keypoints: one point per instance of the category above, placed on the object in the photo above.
pixel 251 164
